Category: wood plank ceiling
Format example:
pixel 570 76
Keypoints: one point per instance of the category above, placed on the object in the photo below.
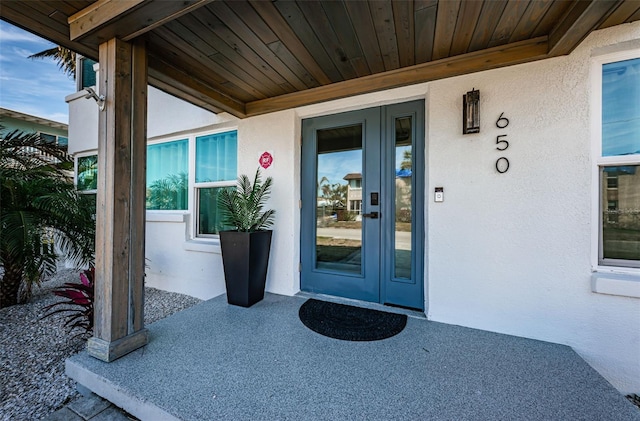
pixel 254 57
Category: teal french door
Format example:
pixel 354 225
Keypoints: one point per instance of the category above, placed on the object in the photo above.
pixel 363 205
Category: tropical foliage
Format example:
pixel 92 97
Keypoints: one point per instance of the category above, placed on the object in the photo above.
pixel 78 306
pixel 242 207
pixel 41 214
pixel 65 58
pixel 169 193
pixel 335 193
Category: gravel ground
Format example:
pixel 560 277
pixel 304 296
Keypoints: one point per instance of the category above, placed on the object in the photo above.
pixel 33 350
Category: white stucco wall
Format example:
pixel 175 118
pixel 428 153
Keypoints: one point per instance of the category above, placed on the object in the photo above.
pixel 278 134
pixel 176 264
pixel 509 253
pixel 168 114
pixel 512 253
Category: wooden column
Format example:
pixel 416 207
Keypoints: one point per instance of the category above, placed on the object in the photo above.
pixel 119 284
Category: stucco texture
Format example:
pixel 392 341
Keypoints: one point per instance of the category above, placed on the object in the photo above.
pixel 511 252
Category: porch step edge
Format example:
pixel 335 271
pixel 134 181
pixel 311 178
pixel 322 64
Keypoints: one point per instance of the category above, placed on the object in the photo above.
pixel 120 397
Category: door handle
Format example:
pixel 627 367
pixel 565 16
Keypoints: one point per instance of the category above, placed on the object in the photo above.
pixel 372 215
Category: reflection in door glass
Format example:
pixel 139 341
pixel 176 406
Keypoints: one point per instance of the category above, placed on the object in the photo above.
pixel 403 169
pixel 339 199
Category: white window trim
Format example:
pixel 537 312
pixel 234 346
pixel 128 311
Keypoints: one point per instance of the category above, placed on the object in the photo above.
pixel 611 280
pixel 193 186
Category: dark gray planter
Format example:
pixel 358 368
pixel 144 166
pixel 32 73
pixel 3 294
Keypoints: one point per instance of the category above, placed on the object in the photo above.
pixel 245 256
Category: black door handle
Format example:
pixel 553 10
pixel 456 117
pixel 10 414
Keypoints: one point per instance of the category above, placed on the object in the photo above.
pixel 372 215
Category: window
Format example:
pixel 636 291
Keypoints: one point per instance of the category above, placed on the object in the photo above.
pixel 49 138
pixel 621 217
pixel 619 161
pixel 56 140
pixel 85 76
pixel 174 180
pixel 87 173
pixel 87 179
pixel 215 170
pixel 168 175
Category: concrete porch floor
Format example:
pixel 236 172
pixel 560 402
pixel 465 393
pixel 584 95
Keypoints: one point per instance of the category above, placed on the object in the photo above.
pixel 220 362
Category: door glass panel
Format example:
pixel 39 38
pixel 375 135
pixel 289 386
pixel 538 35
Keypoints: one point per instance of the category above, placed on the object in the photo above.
pixel 402 222
pixel 338 199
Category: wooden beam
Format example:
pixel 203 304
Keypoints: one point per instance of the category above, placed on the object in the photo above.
pixel 173 80
pixel 126 20
pixel 582 18
pixel 506 55
pixel 137 209
pixel 98 15
pixel 621 14
pixel 120 209
pixel 21 15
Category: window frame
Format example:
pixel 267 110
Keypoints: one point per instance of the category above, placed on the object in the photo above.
pixel 193 205
pixel 92 192
pixel 77 158
pixel 189 175
pixel 80 82
pixel 56 138
pixel 599 162
pixel 196 186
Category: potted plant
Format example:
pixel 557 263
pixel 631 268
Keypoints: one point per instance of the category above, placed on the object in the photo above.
pixel 245 249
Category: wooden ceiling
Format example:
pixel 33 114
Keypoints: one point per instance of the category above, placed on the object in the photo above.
pixel 254 57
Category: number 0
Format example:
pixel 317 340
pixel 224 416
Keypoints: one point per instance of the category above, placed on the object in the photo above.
pixel 502 167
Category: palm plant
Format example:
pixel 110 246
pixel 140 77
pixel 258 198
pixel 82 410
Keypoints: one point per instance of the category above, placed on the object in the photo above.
pixel 65 58
pixel 40 212
pixel 242 207
pixel 168 193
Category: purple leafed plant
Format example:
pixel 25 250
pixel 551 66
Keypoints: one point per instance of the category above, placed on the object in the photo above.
pixel 78 306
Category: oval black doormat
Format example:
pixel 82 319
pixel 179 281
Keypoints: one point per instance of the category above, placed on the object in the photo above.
pixel 350 323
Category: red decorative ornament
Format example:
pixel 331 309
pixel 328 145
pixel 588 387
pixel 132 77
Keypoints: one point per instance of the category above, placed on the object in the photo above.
pixel 266 159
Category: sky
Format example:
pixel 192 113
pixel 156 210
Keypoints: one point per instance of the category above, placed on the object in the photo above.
pixel 35 87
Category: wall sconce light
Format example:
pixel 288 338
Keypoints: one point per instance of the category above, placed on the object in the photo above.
pixel 471 112
pixel 99 99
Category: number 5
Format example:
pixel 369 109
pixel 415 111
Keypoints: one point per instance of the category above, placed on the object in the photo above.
pixel 501 142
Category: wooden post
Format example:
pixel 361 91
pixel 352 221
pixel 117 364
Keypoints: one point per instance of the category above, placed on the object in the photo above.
pixel 120 214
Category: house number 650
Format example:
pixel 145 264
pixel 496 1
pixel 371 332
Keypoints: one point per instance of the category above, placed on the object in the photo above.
pixel 502 163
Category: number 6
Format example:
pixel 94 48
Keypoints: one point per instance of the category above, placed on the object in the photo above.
pixel 505 122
